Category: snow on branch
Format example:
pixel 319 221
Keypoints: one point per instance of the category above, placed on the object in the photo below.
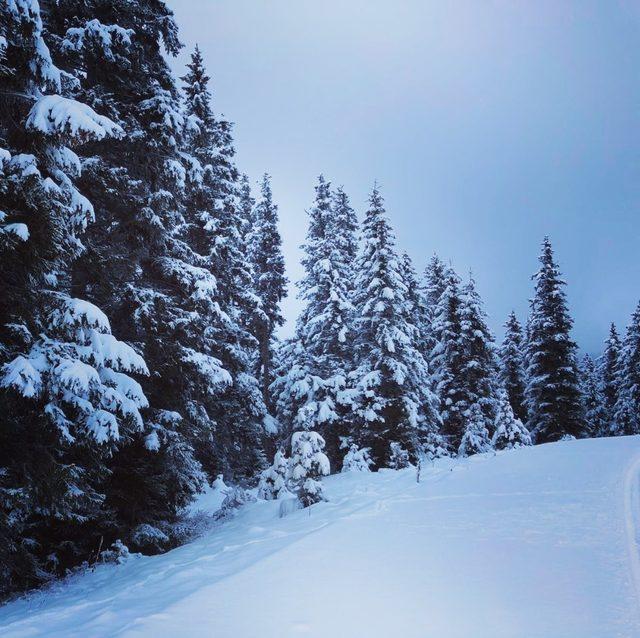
pixel 57 115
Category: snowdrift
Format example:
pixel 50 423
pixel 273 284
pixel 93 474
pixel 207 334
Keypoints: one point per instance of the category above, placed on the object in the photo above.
pixel 536 542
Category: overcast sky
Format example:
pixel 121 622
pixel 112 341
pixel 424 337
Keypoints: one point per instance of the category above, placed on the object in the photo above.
pixel 488 124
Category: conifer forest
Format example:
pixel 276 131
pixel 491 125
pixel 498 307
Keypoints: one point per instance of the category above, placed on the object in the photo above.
pixel 143 356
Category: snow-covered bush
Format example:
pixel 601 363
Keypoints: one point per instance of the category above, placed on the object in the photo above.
pixel 118 553
pixel 237 497
pixel 509 432
pixel 150 538
pixel 475 439
pixel 308 464
pixel 357 460
pixel 398 456
pixel 435 446
pixel 273 481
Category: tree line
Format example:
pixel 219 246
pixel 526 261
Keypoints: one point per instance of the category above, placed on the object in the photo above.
pixel 140 292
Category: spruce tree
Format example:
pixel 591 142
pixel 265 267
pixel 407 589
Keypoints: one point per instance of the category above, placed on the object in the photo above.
pixel 434 280
pixel 270 282
pixel 357 460
pixel 314 380
pixel 222 304
pixel 433 285
pixel 447 360
pixel 509 431
pixel 478 366
pixel 308 465
pixel 553 393
pixel 136 262
pixel 246 203
pixel 609 379
pixel 475 439
pixel 346 221
pixel 434 444
pixel 592 398
pixel 627 408
pixel 511 372
pixel 393 404
pixel 66 396
pixel 273 480
pixel 417 307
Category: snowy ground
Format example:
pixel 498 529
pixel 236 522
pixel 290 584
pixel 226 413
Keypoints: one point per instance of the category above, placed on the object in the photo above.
pixel 539 542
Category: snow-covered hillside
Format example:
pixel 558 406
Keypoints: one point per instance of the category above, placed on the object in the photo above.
pixel 536 542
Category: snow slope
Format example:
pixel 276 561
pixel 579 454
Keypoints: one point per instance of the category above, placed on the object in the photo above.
pixel 537 542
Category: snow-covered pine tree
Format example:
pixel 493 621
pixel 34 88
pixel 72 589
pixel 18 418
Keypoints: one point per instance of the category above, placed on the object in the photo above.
pixel 65 395
pixel 417 312
pixel 393 402
pixel 309 464
pixel 129 268
pixel 273 480
pixel 246 203
pixel 417 307
pixel 322 348
pixel 627 409
pixel 357 460
pixel 592 398
pixel 432 286
pixel 511 370
pixel 475 438
pixel 346 220
pixel 553 393
pixel 478 368
pixel 324 322
pixel 211 266
pixel 609 380
pixel 434 281
pixel 508 431
pixel 446 360
pixel 270 282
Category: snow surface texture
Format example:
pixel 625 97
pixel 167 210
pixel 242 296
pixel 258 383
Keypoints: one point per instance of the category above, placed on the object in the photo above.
pixel 532 543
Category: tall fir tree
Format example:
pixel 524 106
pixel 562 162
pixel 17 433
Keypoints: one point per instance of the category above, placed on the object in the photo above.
pixel 627 408
pixel 246 205
pixel 512 372
pixel 270 282
pixel 434 280
pixel 478 370
pixel 447 360
pixel 66 397
pixel 417 311
pixel 134 263
pixel 433 284
pixel 417 306
pixel 311 388
pixel 393 406
pixel 553 391
pixel 213 247
pixel 346 220
pixel 592 398
pixel 609 380
pixel 509 431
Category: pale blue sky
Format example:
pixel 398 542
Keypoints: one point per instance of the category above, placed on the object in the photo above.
pixel 488 124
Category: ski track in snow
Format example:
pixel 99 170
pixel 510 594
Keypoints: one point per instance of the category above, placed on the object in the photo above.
pixel 534 543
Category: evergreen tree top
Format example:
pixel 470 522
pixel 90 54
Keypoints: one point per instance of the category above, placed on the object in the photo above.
pixel 265 250
pixel 345 224
pixel 549 306
pixel 196 89
pixel 434 279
